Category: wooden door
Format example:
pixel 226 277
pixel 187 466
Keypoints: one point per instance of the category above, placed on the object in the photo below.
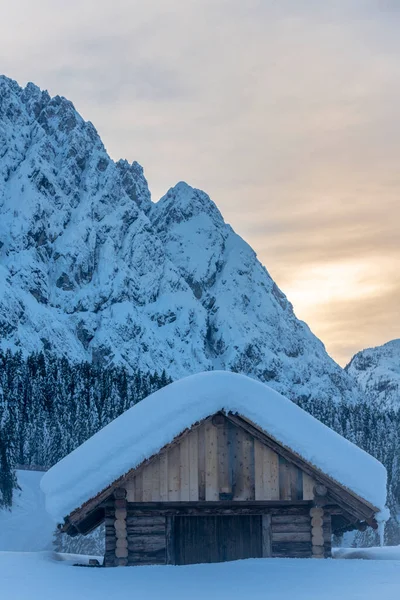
pixel 216 539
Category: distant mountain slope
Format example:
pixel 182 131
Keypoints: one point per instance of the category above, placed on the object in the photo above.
pixel 92 269
pixel 377 371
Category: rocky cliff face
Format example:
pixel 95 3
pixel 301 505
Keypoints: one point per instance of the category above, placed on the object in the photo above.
pixel 92 269
pixel 377 370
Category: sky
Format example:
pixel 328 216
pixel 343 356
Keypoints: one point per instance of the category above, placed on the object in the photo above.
pixel 286 112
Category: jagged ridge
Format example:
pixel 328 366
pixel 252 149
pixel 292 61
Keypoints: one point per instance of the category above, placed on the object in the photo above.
pixel 377 371
pixel 93 269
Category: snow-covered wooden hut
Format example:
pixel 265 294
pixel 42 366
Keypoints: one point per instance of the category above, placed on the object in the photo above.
pixel 211 468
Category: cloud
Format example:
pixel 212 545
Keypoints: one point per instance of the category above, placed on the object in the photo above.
pixel 285 112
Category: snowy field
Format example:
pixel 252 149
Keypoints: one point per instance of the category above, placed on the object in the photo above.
pixel 39 576
pixel 28 527
pixel 26 574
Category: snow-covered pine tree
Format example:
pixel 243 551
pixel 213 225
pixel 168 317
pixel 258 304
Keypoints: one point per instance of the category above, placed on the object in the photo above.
pixel 8 481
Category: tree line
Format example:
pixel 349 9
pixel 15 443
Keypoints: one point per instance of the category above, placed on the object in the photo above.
pixel 49 406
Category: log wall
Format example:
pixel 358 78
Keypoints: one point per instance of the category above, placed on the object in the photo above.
pixel 291 536
pixel 111 539
pixel 218 461
pixel 146 540
pixel 286 532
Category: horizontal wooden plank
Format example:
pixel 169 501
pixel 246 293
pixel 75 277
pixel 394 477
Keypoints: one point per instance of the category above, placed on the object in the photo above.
pixel 156 526
pixel 291 519
pixel 146 531
pixel 293 554
pixel 147 526
pixel 146 548
pixel 222 503
pixel 146 544
pixel 146 521
pixel 144 561
pixel 298 536
pixel 170 512
pixel 149 556
pixel 152 509
pixel 146 536
pixel 291 549
pixel 291 527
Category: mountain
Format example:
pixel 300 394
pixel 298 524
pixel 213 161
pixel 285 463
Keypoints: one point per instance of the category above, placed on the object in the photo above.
pixel 377 371
pixel 93 270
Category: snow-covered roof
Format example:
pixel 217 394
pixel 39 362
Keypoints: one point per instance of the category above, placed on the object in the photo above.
pixel 145 428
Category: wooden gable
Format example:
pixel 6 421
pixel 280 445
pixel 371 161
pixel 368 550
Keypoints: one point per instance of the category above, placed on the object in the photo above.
pixel 215 461
pixel 223 459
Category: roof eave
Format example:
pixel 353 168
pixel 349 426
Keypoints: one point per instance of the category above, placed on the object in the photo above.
pixel 359 507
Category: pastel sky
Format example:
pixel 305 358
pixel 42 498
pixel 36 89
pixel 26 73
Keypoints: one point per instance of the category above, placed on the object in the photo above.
pixel 286 112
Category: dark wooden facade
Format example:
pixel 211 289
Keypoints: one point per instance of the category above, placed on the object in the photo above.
pixel 165 534
pixel 223 490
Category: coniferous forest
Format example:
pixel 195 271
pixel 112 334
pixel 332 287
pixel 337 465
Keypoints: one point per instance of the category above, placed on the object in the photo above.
pixel 49 406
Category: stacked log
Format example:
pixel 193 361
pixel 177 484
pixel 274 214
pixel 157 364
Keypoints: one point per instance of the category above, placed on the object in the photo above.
pixel 317 532
pixel 291 536
pixel 109 556
pixel 121 546
pixel 146 540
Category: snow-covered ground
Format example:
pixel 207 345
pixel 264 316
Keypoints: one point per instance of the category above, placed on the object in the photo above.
pixel 28 527
pixel 39 576
pixel 384 553
pixel 26 575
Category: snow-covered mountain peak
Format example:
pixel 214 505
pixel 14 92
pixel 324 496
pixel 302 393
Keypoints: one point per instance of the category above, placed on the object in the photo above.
pixel 135 183
pixel 91 268
pixel 377 371
pixel 183 202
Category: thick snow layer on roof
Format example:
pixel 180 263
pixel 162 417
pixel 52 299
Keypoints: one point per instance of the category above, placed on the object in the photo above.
pixel 148 426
